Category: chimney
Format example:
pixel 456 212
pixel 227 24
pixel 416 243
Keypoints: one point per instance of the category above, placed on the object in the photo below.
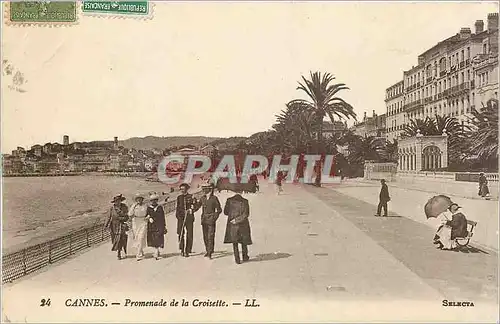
pixel 465 33
pixel 364 116
pixel 492 22
pixel 479 26
pixel 373 112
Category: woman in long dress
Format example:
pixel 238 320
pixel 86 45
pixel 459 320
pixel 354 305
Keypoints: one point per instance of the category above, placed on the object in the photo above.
pixel 117 224
pixel 156 225
pixel 138 212
pixel 483 186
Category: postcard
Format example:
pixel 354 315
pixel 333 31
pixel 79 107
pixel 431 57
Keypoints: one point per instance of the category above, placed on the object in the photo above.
pixel 228 161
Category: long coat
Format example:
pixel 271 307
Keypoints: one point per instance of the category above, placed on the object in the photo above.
pixel 210 209
pixel 384 194
pixel 156 229
pixel 483 186
pixel 118 216
pixel 458 225
pixel 237 208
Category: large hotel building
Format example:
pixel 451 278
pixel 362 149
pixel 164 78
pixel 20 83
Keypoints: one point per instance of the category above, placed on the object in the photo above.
pixel 456 75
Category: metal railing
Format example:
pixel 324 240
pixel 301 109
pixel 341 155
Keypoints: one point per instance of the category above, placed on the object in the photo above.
pixel 30 259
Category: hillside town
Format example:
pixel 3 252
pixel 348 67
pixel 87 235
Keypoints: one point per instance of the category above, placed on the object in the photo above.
pixel 96 156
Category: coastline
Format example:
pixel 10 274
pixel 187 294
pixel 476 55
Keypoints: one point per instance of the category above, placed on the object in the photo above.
pixel 19 239
pixel 69 174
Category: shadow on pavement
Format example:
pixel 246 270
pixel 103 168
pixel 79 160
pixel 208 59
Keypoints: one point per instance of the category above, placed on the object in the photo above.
pixel 269 257
pixel 169 255
pixel 470 249
pixel 221 254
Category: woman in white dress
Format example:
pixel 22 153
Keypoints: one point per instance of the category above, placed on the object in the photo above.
pixel 138 212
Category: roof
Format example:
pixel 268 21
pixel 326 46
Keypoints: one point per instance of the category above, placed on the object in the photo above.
pixel 186 149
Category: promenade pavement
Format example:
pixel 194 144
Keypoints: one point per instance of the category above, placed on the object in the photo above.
pixel 317 256
pixel 460 189
pixel 408 200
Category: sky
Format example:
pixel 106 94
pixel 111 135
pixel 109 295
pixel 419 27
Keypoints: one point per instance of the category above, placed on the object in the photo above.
pixel 211 69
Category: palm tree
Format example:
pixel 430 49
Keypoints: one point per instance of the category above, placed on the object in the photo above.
pixel 390 152
pixel 323 101
pixel 483 135
pixel 365 148
pixel 425 126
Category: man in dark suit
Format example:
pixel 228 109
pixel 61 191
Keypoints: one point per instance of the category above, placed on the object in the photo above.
pixel 383 199
pixel 185 219
pixel 238 227
pixel 210 212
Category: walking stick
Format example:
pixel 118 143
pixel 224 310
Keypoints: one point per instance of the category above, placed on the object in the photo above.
pixel 181 236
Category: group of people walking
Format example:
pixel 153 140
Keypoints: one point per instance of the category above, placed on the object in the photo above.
pixel 149 225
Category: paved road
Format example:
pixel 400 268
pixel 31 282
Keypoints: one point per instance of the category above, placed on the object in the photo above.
pixel 408 201
pixel 318 255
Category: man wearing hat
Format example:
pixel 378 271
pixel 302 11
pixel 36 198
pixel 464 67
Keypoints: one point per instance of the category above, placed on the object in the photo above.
pixel 456 227
pixel 117 224
pixel 211 210
pixel 185 219
pixel 238 227
pixel 383 198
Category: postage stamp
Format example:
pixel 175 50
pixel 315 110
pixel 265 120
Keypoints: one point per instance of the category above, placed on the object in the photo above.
pixel 118 9
pixel 41 13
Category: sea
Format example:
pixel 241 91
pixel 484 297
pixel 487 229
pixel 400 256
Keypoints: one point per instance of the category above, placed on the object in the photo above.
pixel 36 209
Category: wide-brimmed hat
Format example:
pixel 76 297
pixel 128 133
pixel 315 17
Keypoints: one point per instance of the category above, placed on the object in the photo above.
pixel 138 195
pixel 154 196
pixel 118 198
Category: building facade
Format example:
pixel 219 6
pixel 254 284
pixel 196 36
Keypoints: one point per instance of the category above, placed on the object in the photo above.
pixel 452 78
pixel 371 126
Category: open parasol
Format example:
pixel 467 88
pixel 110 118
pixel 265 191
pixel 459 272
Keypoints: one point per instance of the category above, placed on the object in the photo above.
pixel 437 205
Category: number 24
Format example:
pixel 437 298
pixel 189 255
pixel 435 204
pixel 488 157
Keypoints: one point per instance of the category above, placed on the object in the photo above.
pixel 45 302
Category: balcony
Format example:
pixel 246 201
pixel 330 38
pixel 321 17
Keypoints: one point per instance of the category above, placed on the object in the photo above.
pixel 457 90
pixel 442 73
pixel 413 105
pixel 453 68
pixel 467 62
pixel 429 79
pixel 461 65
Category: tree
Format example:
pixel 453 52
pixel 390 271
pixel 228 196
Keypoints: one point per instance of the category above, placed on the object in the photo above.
pixel 322 101
pixel 390 151
pixel 425 126
pixel 483 134
pixel 365 148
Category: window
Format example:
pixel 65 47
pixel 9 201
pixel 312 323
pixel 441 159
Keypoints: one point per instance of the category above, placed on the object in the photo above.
pixel 484 49
pixel 463 80
pixel 468 52
pixel 468 75
pixel 462 56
